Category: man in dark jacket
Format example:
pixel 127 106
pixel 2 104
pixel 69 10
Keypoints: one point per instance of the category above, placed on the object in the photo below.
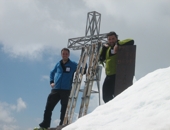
pixel 60 80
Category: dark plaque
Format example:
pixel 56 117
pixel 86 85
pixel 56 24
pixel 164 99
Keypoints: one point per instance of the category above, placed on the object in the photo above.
pixel 125 69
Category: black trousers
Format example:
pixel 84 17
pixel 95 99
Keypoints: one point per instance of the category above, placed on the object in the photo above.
pixel 53 98
pixel 108 88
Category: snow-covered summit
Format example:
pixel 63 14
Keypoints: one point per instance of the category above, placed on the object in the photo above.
pixel 143 106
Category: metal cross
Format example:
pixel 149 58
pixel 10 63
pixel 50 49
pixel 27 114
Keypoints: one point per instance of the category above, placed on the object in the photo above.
pixel 92 33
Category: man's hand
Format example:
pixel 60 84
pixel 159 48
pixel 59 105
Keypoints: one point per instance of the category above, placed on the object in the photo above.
pixel 52 85
pixel 115 49
pixel 106 45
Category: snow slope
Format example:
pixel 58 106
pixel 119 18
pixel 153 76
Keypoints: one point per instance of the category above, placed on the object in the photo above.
pixel 143 106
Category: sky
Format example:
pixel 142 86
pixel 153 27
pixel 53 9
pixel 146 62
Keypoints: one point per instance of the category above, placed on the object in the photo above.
pixel 32 33
pixel 143 106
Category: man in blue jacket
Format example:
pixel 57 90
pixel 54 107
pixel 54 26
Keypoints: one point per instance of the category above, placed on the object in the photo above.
pixel 60 80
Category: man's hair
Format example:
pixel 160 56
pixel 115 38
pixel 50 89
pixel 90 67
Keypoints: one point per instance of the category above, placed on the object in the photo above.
pixel 65 49
pixel 112 33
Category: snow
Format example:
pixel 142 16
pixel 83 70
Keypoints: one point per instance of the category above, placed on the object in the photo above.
pixel 143 106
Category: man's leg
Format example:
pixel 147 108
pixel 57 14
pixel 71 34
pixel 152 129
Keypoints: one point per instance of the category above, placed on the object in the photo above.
pixel 52 100
pixel 108 88
pixel 64 101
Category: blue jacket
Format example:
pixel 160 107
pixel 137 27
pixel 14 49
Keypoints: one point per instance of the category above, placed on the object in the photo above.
pixel 62 75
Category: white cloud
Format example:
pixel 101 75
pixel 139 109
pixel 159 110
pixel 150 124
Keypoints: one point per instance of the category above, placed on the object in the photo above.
pixel 132 12
pixel 20 105
pixel 5 115
pixel 7 121
pixel 28 28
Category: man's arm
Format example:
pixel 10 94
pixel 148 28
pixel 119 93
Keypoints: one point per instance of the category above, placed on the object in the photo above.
pixel 52 74
pixel 102 56
pixel 126 42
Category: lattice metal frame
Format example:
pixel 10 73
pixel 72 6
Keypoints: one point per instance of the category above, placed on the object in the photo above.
pixel 93 23
pixel 92 33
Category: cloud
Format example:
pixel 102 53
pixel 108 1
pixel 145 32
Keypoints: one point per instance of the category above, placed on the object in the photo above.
pixel 7 121
pixel 20 105
pixel 5 115
pixel 29 28
pixel 132 13
pixel 25 28
pixel 147 22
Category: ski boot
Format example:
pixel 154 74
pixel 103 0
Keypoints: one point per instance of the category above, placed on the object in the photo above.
pixel 41 128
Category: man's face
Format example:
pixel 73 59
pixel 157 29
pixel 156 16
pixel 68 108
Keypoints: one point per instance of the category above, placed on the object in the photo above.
pixel 65 55
pixel 112 40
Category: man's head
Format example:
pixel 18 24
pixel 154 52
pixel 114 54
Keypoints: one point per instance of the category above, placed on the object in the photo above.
pixel 112 38
pixel 65 53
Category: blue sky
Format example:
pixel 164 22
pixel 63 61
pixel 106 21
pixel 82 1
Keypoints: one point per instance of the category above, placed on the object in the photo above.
pixel 24 79
pixel 32 33
pixel 28 81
